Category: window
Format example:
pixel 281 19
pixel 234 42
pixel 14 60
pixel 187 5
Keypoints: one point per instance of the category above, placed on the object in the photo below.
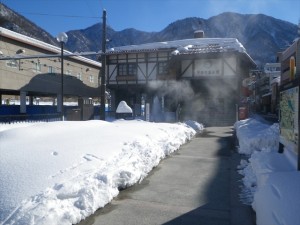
pixel 132 69
pixel 68 72
pixel 127 69
pixel 51 69
pixel 79 76
pixel 91 78
pixel 12 63
pixel 122 69
pixel 37 67
pixel 162 68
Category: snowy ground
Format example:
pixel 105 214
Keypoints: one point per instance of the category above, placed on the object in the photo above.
pixel 271 180
pixel 61 172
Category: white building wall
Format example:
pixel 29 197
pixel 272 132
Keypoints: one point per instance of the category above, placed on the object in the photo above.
pixel 208 67
pixel 141 73
pixel 152 71
pixel 230 70
pixel 112 74
pixel 186 65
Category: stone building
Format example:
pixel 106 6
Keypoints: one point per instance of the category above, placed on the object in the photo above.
pixel 27 73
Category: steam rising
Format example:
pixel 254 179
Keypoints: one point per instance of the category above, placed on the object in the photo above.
pixel 204 99
pixel 179 90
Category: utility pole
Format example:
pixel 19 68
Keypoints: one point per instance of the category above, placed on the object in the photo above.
pixel 103 62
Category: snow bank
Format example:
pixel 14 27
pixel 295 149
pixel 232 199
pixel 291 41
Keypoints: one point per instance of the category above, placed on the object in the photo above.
pixel 198 127
pixel 62 172
pixel 277 198
pixel 271 182
pixel 7 126
pixel 255 135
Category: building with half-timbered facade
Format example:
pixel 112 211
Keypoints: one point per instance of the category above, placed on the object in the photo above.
pixel 196 78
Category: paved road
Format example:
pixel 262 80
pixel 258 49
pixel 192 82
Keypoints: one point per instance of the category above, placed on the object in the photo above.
pixel 196 185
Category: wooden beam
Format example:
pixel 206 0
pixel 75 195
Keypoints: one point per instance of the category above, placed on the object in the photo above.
pixel 192 62
pixel 141 70
pixel 233 70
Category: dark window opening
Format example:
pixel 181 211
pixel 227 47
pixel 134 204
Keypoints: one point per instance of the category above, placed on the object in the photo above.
pixel 127 69
pixel 162 68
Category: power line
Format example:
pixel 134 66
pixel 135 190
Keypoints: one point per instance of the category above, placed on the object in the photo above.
pixel 91 9
pixel 60 15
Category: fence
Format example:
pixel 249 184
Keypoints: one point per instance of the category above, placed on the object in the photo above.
pixel 30 118
pixel 48 113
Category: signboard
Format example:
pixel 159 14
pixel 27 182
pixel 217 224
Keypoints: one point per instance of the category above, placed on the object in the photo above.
pixel 147 112
pixel 289 99
pixel 289 114
pixel 208 67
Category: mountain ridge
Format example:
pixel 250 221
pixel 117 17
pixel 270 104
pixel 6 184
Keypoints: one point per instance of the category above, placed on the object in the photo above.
pixel 263 36
pixel 13 21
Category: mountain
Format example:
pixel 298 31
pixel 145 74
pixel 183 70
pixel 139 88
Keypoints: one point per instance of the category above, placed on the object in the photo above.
pixel 90 39
pixel 262 36
pixel 17 23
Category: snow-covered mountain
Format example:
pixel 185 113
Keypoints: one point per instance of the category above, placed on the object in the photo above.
pixel 263 36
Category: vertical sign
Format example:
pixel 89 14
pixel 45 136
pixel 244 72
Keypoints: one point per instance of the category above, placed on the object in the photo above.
pixel 147 111
pixel 289 116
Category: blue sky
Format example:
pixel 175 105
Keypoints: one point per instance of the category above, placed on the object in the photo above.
pixel 147 15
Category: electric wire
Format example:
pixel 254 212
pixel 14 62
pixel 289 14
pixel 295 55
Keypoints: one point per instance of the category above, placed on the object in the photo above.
pixel 19 72
pixel 59 15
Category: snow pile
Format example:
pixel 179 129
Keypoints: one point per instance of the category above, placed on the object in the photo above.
pixel 271 182
pixel 123 108
pixel 277 199
pixel 198 127
pixel 62 172
pixel 258 136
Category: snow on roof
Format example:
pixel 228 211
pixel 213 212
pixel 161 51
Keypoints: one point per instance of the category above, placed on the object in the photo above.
pixel 40 44
pixel 186 46
pixel 276 80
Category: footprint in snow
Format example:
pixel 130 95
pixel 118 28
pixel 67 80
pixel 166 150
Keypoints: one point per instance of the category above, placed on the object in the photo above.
pixel 54 153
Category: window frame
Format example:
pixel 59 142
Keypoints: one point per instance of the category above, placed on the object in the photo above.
pixel 91 78
pixel 127 69
pixel 162 68
pixel 68 72
pixel 51 69
pixel 79 76
pixel 13 63
pixel 37 67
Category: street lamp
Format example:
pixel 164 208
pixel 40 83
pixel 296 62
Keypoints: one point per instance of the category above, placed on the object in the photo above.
pixel 62 38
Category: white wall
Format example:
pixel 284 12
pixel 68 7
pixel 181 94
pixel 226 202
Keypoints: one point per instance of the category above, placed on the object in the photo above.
pixel 209 67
